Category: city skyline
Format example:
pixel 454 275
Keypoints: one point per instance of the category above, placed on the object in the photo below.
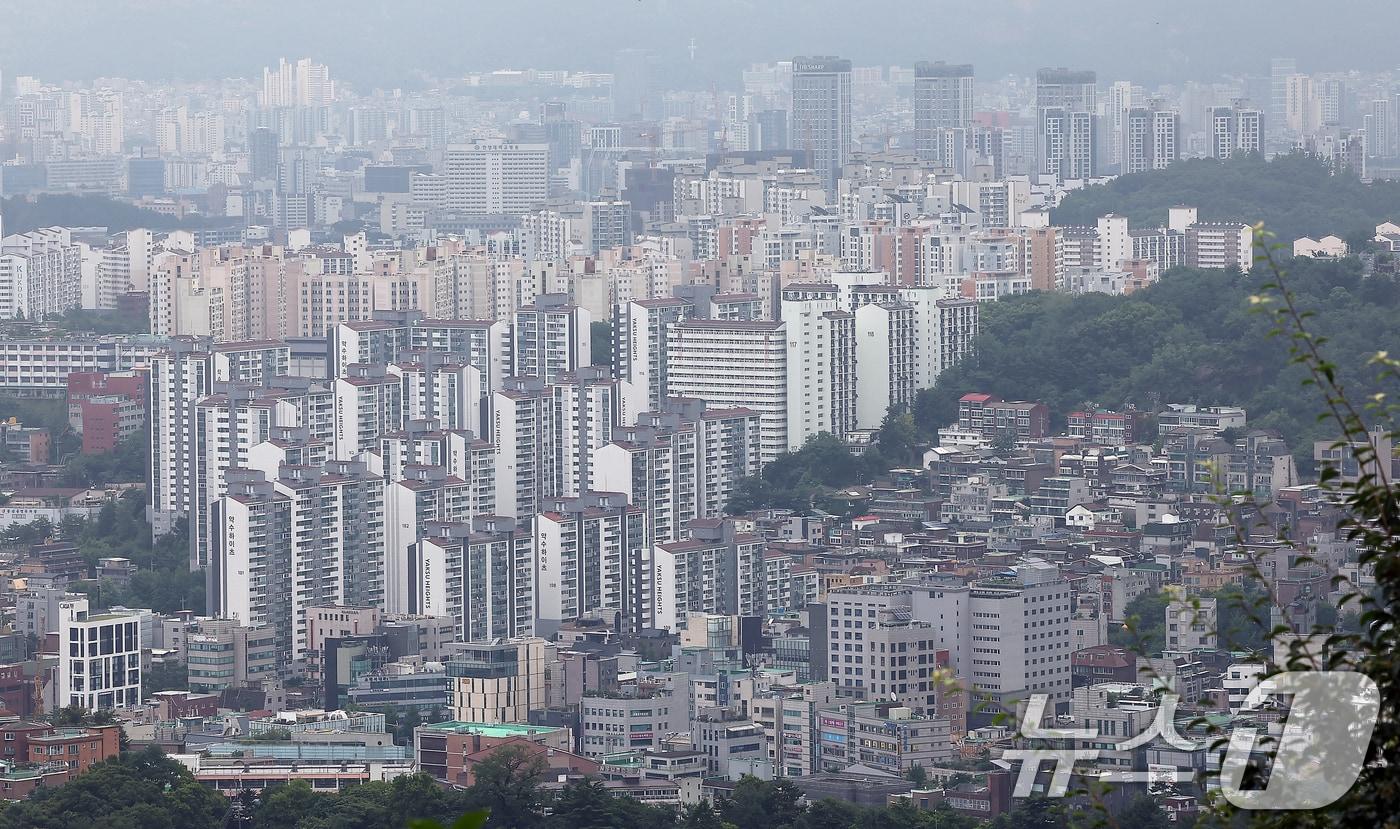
pixel 1191 40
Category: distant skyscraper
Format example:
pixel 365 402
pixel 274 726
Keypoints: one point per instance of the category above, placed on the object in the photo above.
pixel 821 113
pixel 1066 101
pixel 1280 69
pixel 302 83
pixel 1120 100
pixel 772 131
pixel 262 154
pixel 1332 94
pixel 942 100
pixel 634 86
pixel 145 176
pixel 1380 129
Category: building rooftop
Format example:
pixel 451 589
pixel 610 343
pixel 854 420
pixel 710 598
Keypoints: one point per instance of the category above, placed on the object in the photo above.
pixel 500 730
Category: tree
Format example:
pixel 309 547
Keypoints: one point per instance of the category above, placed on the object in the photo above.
pixel 1294 195
pixel 829 813
pixel 760 804
pixel 583 804
pixel 1144 628
pixel 703 816
pixel 1143 813
pixel 78 715
pixel 508 784
pixel 917 775
pixel 145 789
pixel 898 441
pixel 273 735
pixel 1033 813
pixel 164 676
pixel 285 806
pixel 1189 338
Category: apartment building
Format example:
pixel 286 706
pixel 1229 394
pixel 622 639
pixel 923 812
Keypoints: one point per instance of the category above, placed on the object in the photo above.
pixel 735 364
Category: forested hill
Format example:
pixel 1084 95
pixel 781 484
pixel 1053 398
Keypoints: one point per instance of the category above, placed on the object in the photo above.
pixel 1191 338
pixel 1294 195
pixel 22 215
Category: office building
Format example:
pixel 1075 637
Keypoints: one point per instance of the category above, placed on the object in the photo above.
pixel 821 114
pixel 497 682
pixel 99 664
pixel 943 100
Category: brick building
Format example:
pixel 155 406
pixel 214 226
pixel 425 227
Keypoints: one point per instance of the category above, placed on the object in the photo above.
pixel 106 407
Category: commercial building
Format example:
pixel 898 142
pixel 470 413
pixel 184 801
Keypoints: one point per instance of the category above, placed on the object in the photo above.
pixel 497 682
pixel 99 665
pixel 821 114
pixel 943 100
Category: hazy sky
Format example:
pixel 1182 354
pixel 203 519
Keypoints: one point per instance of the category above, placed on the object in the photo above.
pixel 383 43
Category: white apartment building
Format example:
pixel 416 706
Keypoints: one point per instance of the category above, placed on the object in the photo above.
pixel 439 387
pixel 734 364
pixel 41 273
pixel 250 362
pixel 717 570
pixel 1220 245
pixel 311 537
pixel 679 464
pixel 233 419
pixel 179 304
pixel 459 452
pixel 591 556
pixel 550 337
pixel 179 378
pixel 640 344
pixel 523 439
pixel 368 404
pixel 425 494
pixel 885 345
pixel 821 372
pixel 481 574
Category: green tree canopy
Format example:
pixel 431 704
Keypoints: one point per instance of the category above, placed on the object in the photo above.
pixel 1294 195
